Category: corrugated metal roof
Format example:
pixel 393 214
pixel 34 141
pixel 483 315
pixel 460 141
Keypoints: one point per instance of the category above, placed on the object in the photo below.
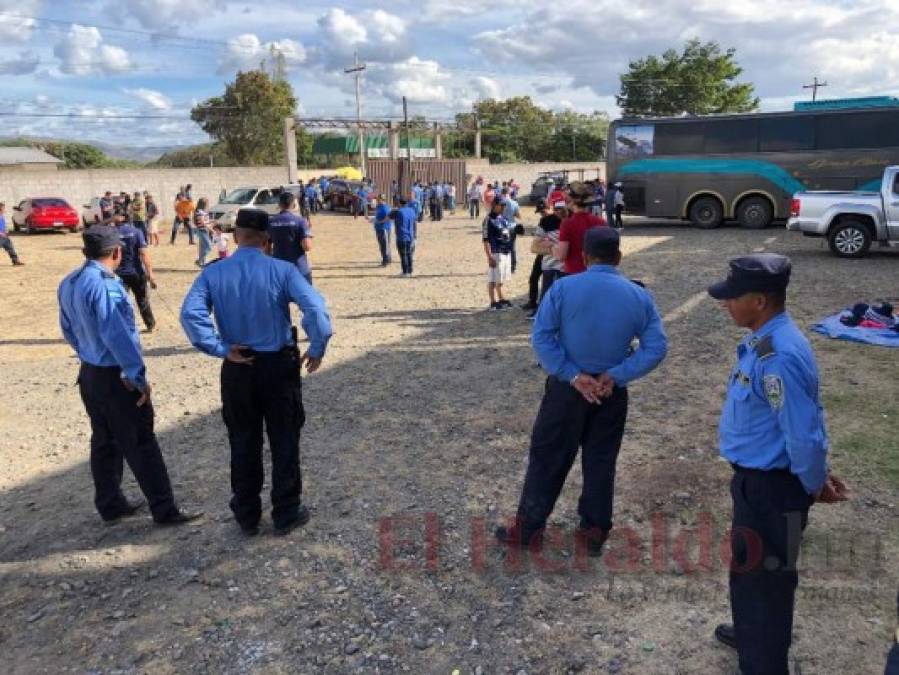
pixel 26 156
pixel 348 145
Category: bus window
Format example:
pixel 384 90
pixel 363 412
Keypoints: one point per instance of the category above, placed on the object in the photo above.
pixel 856 130
pixel 730 136
pixel 786 134
pixel 684 138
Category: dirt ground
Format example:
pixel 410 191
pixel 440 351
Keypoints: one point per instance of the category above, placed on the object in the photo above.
pixel 415 446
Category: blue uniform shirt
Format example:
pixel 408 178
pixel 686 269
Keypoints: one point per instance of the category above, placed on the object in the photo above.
pixel 772 417
pixel 97 321
pixel 132 242
pixel 250 294
pixel 586 323
pixel 2 224
pixel 287 231
pixel 382 220
pixel 406 221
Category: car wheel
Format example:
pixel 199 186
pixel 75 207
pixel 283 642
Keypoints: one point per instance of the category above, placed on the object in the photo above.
pixel 850 239
pixel 706 213
pixel 16 227
pixel 755 213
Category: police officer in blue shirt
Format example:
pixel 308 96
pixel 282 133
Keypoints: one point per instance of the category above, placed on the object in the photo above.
pixel 97 321
pixel 582 336
pixel 772 432
pixel 290 236
pixel 250 294
pixel 135 269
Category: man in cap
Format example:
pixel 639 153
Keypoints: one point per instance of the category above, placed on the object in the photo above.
pixel 249 293
pixel 97 321
pixel 290 236
pixel 582 337
pixel 772 432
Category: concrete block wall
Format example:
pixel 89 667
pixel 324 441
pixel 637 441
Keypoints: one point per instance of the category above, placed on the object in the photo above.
pixel 78 186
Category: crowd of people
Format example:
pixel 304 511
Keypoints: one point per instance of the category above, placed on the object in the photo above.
pixel 772 428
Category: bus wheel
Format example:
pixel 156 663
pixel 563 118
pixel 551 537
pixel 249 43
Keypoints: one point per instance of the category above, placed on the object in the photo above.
pixel 754 213
pixel 850 239
pixel 706 213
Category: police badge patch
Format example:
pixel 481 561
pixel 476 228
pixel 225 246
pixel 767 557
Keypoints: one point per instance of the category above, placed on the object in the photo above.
pixel 774 390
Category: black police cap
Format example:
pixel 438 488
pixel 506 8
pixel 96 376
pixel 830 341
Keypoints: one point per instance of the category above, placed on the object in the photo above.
pixel 99 238
pixel 760 273
pixel 252 219
pixel 600 242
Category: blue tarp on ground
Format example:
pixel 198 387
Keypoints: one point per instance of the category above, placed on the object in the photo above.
pixel 831 327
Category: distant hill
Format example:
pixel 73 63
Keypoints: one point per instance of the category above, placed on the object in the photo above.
pixel 130 153
pixel 135 153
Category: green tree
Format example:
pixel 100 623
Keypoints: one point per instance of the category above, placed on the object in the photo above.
pixel 698 81
pixel 196 155
pixel 248 119
pixel 515 129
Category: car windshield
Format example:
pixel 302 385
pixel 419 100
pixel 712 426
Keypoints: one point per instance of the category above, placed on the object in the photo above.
pixel 49 202
pixel 240 196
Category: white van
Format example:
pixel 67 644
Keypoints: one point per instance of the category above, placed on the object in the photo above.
pixel 225 212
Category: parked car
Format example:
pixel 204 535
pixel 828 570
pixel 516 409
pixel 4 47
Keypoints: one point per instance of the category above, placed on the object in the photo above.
pixel 91 213
pixel 851 221
pixel 44 213
pixel 540 188
pixel 225 211
pixel 342 194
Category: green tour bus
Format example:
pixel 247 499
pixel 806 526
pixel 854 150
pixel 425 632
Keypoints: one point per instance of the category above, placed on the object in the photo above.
pixel 747 167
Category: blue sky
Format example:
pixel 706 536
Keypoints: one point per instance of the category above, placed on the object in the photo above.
pixel 103 58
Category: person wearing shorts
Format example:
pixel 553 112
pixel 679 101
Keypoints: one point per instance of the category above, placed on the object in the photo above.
pixel 497 238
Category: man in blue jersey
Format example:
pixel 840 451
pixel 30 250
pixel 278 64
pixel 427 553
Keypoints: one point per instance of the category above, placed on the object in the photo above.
pixel 290 236
pixel 406 230
pixel 383 223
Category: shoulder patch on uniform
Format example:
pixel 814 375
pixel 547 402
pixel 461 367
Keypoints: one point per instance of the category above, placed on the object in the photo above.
pixel 765 347
pixel 774 390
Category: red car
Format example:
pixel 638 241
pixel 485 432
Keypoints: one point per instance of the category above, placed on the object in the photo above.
pixel 44 213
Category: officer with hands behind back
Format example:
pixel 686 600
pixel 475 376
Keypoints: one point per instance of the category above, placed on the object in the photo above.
pixel 582 337
pixel 97 321
pixel 772 432
pixel 250 294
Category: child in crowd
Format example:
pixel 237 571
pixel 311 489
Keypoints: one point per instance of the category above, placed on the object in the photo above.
pixel 220 240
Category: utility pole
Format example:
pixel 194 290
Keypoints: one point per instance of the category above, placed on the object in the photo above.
pixel 356 70
pixel 814 86
pixel 406 187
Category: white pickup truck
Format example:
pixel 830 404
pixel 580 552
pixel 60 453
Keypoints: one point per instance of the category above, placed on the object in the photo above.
pixel 851 221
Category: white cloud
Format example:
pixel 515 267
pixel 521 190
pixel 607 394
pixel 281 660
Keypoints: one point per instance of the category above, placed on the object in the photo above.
pixel 248 51
pixel 16 25
pixel 25 63
pixel 378 37
pixel 780 45
pixel 485 87
pixel 420 81
pixel 164 14
pixel 82 52
pixel 155 99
